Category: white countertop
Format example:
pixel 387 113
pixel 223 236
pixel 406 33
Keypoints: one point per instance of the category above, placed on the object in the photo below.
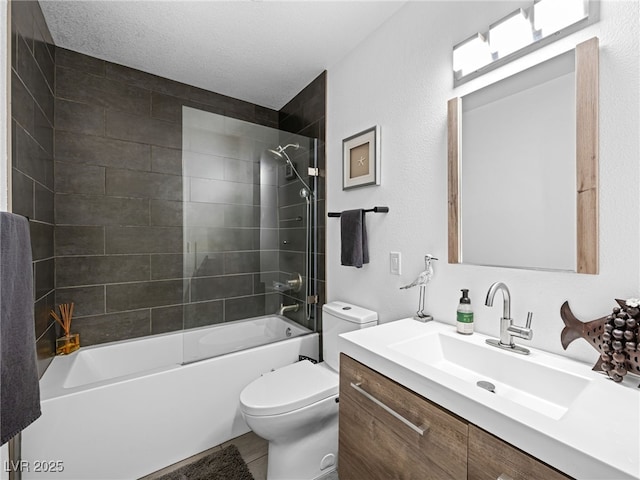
pixel 598 437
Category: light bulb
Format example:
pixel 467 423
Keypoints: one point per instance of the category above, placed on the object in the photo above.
pixel 470 55
pixel 510 34
pixel 550 16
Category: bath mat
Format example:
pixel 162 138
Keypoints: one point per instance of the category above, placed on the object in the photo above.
pixel 225 464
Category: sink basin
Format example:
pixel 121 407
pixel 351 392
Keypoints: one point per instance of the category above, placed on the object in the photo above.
pixel 522 380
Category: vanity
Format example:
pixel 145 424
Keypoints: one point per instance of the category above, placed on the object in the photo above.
pixel 418 400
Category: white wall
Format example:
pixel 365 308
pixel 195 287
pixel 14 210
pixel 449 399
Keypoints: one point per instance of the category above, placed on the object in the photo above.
pixel 400 78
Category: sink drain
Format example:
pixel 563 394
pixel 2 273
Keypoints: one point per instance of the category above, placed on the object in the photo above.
pixel 487 386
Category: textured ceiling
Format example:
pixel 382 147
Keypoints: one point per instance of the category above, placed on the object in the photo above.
pixel 263 52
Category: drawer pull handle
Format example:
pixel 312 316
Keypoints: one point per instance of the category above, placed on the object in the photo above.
pixel 504 476
pixel 419 430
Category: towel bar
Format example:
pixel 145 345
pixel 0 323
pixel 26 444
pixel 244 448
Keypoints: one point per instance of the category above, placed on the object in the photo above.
pixel 374 210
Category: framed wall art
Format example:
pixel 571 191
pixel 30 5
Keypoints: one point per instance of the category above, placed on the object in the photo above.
pixel 361 159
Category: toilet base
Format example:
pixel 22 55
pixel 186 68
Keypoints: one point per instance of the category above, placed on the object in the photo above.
pixel 305 458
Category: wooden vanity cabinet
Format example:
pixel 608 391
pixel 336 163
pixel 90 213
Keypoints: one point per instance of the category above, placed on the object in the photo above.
pixel 491 458
pixel 386 431
pixel 389 432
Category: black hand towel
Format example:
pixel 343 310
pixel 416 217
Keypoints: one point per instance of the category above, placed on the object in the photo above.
pixel 19 388
pixel 353 238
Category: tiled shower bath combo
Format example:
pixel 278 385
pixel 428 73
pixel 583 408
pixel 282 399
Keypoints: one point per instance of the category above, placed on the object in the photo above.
pixel 121 217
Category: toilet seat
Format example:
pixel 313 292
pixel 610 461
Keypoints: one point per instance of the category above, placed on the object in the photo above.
pixel 289 388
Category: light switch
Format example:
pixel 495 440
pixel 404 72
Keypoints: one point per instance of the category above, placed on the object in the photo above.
pixel 395 261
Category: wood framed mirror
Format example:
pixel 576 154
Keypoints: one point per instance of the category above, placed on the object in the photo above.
pixel 530 236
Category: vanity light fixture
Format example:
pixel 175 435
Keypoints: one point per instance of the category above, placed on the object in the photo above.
pixel 551 16
pixel 519 33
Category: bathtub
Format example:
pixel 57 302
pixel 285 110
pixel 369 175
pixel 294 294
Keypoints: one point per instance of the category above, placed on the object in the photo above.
pixel 125 409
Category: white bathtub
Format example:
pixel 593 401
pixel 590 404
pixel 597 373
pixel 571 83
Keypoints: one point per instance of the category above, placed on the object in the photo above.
pixel 125 409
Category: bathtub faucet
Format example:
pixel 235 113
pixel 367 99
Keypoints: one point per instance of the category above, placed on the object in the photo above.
pixel 288 308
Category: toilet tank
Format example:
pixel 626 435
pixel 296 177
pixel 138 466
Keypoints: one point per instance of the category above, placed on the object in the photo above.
pixel 341 317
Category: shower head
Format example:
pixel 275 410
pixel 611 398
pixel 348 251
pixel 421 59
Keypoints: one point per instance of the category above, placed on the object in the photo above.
pixel 279 152
pixel 276 154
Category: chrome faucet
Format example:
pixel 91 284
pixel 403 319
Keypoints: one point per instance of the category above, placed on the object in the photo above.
pixel 507 329
pixel 288 308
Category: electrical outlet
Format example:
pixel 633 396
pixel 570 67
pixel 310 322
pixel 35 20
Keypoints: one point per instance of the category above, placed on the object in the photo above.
pixel 395 261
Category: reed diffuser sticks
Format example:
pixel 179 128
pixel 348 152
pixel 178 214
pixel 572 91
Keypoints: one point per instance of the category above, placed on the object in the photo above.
pixel 69 342
pixel 66 312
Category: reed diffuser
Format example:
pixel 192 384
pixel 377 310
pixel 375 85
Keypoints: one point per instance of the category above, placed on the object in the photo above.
pixel 70 342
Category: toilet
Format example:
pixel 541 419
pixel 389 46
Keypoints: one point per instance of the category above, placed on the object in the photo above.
pixel 295 407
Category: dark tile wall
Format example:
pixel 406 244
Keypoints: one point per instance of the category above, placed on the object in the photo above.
pixel 32 185
pixel 304 115
pixel 119 206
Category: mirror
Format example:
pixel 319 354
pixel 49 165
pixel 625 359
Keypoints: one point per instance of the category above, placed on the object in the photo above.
pixel 517 197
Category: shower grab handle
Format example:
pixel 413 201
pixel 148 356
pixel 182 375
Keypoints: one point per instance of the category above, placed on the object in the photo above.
pixel 420 430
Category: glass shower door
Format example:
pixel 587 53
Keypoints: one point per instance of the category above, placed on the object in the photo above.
pixel 246 240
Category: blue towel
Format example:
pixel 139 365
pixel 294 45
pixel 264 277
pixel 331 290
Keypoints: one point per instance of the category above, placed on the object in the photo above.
pixel 19 387
pixel 353 239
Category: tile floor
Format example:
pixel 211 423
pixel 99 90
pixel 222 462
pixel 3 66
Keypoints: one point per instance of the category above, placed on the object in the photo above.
pixel 253 450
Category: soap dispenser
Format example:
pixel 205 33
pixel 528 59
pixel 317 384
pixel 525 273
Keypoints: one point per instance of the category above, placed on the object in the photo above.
pixel 464 321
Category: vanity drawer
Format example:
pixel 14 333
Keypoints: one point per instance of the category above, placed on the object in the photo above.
pixel 387 431
pixel 490 458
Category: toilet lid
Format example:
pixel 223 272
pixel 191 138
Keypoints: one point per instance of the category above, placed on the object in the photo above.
pixel 289 388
